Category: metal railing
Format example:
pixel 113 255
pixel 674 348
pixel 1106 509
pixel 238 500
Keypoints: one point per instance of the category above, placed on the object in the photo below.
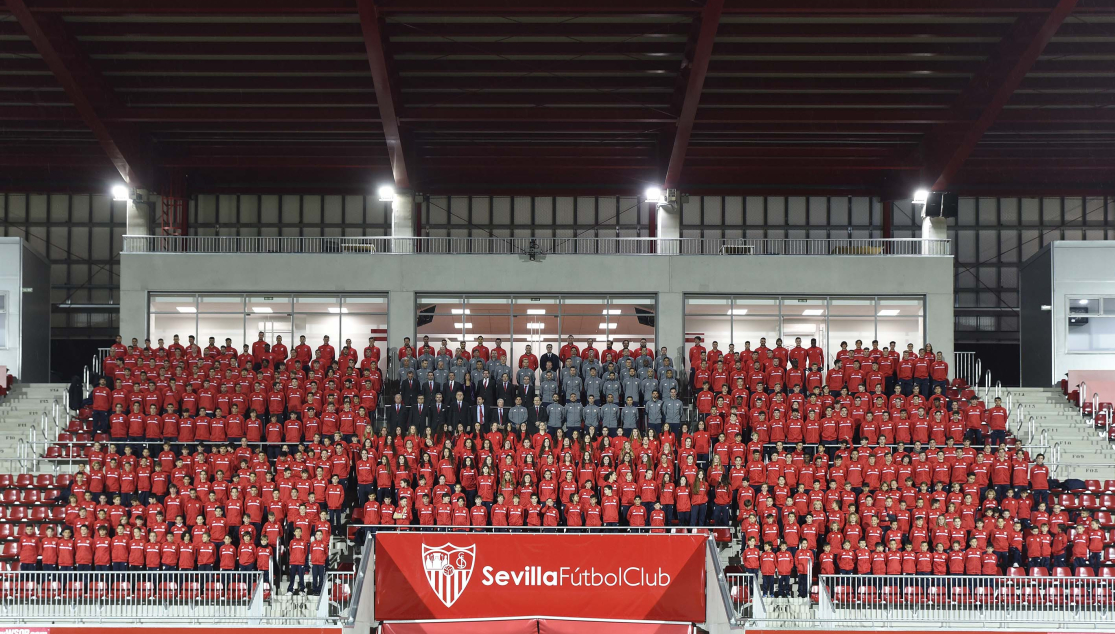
pixel 536 246
pixel 957 600
pixel 156 597
pixel 336 600
pixel 966 366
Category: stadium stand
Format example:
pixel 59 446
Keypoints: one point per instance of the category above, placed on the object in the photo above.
pixel 834 470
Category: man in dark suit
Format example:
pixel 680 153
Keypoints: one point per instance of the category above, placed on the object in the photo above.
pixel 439 412
pixel 420 414
pixel 527 391
pixel 549 361
pixel 486 387
pixel 450 387
pixel 429 388
pixel 460 411
pixel 410 388
pixel 398 414
pixel 499 414
pixel 536 411
pixel 483 411
pixel 505 389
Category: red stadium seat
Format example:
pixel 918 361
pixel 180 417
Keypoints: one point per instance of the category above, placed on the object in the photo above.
pixel 23 480
pixel 63 480
pixel 1109 486
pixel 1069 501
pixel 1062 571
pixel 57 513
pixel 867 595
pixel 914 596
pixel 1093 486
pixel 168 590
pixel 1089 502
pixel 65 437
pixel 121 590
pixel 237 592
pixel 191 590
pixel 10 550
pixel 17 513
pixel 39 514
pixel 891 595
pixel 5 480
pixel 97 590
pixel 843 594
pixel 6 531
pixel 50 496
pixel 1107 572
pixel 29 496
pixel 9 496
pixel 1085 571
pixel 1039 572
pixel 53 452
pixel 1107 501
pixel 1104 518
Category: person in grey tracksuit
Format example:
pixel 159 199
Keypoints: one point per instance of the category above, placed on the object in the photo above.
pixel 590 413
pixel 671 411
pixel 668 383
pixel 555 415
pixel 523 375
pixel 630 414
pixel 574 412
pixel 440 374
pixel 572 385
pixel 592 385
pixel 631 386
pixel 613 389
pixel 517 414
pixel 548 388
pixel 648 386
pixel 654 412
pixel 609 416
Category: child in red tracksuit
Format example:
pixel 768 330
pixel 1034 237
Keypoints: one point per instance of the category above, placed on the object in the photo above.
pixel 768 567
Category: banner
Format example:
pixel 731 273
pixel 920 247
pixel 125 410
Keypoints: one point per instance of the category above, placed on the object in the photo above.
pixel 588 576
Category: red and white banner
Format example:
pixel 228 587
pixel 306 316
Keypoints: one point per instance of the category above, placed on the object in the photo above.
pixel 483 575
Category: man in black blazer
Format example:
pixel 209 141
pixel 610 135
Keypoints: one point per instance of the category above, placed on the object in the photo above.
pixel 505 389
pixel 439 412
pixel 410 388
pixel 527 391
pixel 486 387
pixel 460 411
pixel 420 414
pixel 429 388
pixel 483 411
pixel 536 411
pixel 451 386
pixel 397 414
pixel 499 414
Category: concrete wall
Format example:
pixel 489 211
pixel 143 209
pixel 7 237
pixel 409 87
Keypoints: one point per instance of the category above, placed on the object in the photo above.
pixel 670 277
pixel 26 349
pixel 1036 351
pixel 1079 269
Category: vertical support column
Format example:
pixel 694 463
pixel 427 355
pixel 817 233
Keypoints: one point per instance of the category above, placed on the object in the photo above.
pixel 671 325
pixel 402 223
pixel 668 229
pixel 933 228
pixel 401 318
pixel 138 216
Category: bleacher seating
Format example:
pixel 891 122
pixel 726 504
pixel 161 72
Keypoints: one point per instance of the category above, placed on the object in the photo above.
pixel 797 471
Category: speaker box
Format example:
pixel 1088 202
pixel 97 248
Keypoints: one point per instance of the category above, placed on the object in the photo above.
pixel 941 205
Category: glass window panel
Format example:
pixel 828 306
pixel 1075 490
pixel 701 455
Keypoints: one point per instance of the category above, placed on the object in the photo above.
pixel 272 326
pixel 852 307
pixel 1091 334
pixel 1109 305
pixel 538 331
pixel 902 331
pixel 3 330
pixel 441 305
pixel 1082 305
pixel 438 327
pixel 756 306
pixel 317 304
pixel 583 305
pixel 182 304
pixel 708 305
pixel 849 330
pixel 751 329
pixel 168 325
pixel 263 304
pixel 316 327
pixel 535 306
pixel 364 304
pixel 3 302
pixel 222 327
pixel 221 304
pixel 710 328
pixel 360 326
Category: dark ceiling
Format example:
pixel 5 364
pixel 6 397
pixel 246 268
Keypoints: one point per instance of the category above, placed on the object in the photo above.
pixel 539 97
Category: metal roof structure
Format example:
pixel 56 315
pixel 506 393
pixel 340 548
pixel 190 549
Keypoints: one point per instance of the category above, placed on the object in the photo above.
pixel 873 97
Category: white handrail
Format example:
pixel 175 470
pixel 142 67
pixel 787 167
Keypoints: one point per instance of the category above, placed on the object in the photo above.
pixel 1095 403
pixel 1081 390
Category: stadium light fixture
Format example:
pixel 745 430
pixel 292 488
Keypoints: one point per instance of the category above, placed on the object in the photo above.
pixel 536 311
pixel 921 196
pixel 889 312
pixel 386 194
pixel 186 309
pixel 121 193
pixel 655 195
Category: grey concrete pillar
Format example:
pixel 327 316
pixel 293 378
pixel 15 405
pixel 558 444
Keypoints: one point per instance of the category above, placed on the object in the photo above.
pixel 401 318
pixel 402 224
pixel 668 230
pixel 671 325
pixel 933 228
pixel 139 216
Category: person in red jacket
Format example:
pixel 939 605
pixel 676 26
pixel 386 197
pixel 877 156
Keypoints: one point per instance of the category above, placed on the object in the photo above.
pixel 298 551
pixel 102 549
pixel 29 549
pixel 319 558
pixel 335 500
pixel 784 564
pixel 768 568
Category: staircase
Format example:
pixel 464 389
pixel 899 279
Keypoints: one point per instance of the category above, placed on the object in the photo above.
pixel 1076 449
pixel 20 413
